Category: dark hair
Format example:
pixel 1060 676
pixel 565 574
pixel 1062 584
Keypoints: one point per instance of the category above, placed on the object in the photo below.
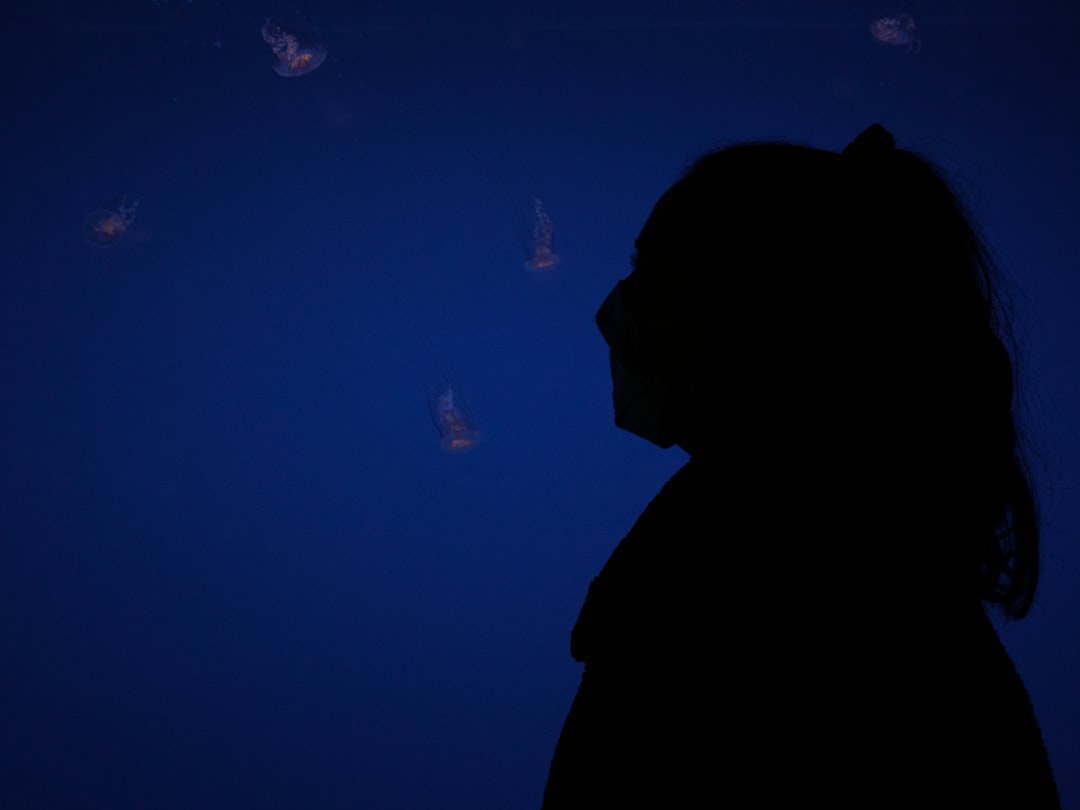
pixel 848 302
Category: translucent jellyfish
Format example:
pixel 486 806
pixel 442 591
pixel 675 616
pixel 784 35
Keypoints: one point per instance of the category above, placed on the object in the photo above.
pixel 450 413
pixel 540 243
pixel 296 54
pixel 104 227
pixel 898 30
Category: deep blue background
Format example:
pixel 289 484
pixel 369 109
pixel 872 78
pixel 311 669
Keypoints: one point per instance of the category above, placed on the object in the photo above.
pixel 236 570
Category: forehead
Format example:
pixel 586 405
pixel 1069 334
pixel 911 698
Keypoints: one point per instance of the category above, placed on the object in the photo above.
pixel 670 221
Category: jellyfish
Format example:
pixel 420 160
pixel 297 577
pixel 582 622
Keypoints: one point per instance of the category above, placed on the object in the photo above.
pixel 104 227
pixel 296 54
pixel 540 243
pixel 457 430
pixel 898 30
pixel 532 224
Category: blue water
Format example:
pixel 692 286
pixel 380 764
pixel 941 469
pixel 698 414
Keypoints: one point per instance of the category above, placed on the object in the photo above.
pixel 236 568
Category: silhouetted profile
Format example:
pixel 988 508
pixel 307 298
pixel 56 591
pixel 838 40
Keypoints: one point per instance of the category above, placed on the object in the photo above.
pixel 798 618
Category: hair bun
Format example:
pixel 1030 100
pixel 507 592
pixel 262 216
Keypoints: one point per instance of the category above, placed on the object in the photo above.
pixel 871 145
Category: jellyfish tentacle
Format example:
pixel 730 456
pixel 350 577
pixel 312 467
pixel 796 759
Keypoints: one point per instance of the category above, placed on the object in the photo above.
pixel 543 255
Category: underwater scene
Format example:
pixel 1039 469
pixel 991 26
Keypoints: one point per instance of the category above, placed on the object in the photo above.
pixel 308 450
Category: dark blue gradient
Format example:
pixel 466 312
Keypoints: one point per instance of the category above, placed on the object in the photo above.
pixel 236 569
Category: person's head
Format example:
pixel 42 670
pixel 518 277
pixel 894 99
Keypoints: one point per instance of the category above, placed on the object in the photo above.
pixel 816 309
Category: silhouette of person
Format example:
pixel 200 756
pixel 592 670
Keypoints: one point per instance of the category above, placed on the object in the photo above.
pixel 799 616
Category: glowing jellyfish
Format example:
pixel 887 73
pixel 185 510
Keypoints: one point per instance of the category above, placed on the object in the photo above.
pixel 104 227
pixel 296 54
pixel 540 246
pixel 457 430
pixel 898 30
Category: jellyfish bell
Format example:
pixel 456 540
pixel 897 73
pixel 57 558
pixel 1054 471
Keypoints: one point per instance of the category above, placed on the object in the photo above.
pixel 542 258
pixel 309 55
pixel 104 227
pixel 295 53
pixel 898 30
pixel 460 442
